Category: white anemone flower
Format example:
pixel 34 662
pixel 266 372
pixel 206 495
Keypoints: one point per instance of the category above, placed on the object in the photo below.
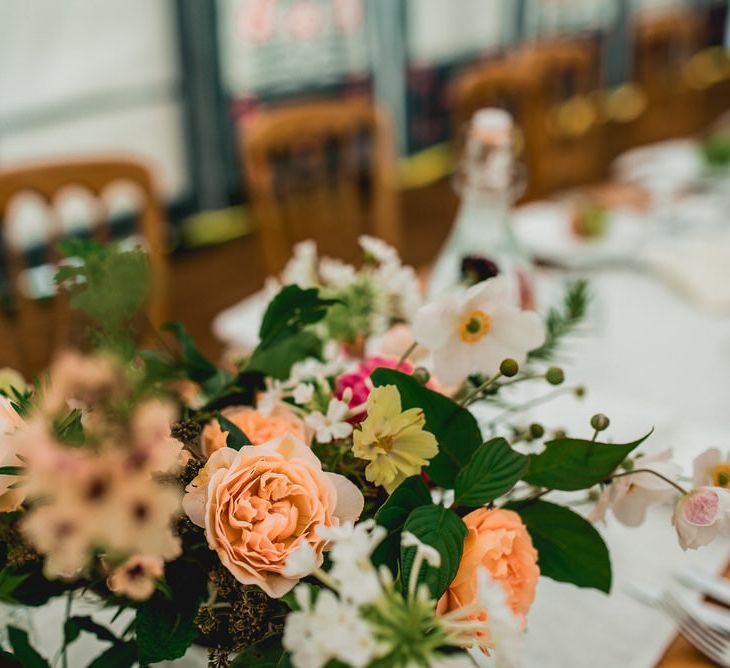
pixel 334 425
pixel 475 330
pixel 630 495
pixel 711 468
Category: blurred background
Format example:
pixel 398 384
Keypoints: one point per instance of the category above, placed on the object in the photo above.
pixel 224 131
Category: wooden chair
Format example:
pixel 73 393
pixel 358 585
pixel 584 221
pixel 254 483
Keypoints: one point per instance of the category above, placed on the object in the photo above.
pixel 664 45
pixel 322 171
pixel 568 137
pixel 504 83
pixel 37 327
pixel 547 87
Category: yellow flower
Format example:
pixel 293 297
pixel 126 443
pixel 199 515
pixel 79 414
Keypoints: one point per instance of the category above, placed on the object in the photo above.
pixel 392 440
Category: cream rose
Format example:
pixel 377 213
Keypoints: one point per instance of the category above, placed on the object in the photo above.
pixel 10 497
pixel 260 503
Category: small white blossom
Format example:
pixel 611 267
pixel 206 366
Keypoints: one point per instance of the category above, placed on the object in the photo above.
pixel 337 273
pixel 301 269
pixel 326 630
pixel 505 633
pixel 271 397
pixel 303 393
pixel 301 561
pixel 332 426
pixel 378 250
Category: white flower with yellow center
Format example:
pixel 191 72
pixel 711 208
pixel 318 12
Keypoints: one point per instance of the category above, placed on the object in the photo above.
pixel 476 330
pixel 393 440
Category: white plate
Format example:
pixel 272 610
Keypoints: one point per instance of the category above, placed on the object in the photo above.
pixel 544 231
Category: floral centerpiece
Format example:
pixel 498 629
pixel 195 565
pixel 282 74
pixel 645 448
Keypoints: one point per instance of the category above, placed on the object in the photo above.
pixel 329 500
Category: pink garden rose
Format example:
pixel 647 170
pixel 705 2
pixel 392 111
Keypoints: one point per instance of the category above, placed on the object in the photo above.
pixel 259 504
pixel 359 382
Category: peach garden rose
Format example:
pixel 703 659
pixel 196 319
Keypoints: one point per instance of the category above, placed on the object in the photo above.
pixel 260 503
pixel 498 541
pixel 259 427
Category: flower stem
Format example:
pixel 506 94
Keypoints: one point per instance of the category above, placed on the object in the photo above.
pixel 669 481
pixel 472 396
pixel 405 355
pixel 595 435
pixel 531 404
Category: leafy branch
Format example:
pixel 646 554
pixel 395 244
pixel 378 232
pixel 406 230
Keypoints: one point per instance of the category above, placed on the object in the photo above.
pixel 563 320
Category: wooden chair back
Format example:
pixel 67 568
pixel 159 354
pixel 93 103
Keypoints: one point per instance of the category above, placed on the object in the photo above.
pixel 32 328
pixel 664 44
pixel 504 83
pixel 547 88
pixel 322 171
pixel 568 135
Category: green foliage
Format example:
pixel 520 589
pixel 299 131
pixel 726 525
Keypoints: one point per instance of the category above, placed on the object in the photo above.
pixel 572 463
pixel 22 400
pixel 292 310
pixel 164 629
pixel 165 624
pixel 283 339
pixel 493 470
pixel 70 429
pixel 23 652
pixel 196 366
pixel 454 427
pixel 353 316
pixel 278 360
pixel 443 530
pixel 236 439
pixel 121 655
pixel 266 653
pixel 392 515
pixel 9 582
pixel 563 320
pixel 716 149
pixel 11 470
pixel 75 625
pixel 569 547
pixel 108 284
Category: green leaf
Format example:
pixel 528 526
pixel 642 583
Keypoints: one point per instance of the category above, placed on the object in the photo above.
pixel 563 320
pixel 266 653
pixel 165 629
pixel 121 655
pixel 571 463
pixel 198 367
pixel 108 283
pixel 493 470
pixel 236 439
pixel 9 582
pixel 569 548
pixel 12 470
pixel 289 312
pixel 90 626
pixel 454 427
pixel 22 649
pixel 442 529
pixel 392 515
pixel 277 359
